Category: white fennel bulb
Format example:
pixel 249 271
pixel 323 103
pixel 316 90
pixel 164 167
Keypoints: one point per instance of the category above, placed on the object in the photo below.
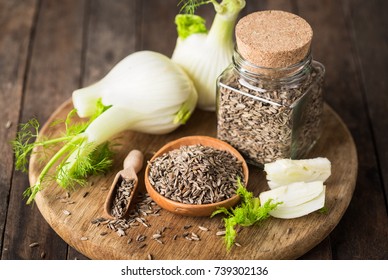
pixel 204 55
pixel 145 92
pixel 146 83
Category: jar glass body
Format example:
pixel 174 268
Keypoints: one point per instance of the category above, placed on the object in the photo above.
pixel 268 113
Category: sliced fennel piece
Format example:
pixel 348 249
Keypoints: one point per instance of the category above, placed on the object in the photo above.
pixel 300 210
pixel 298 199
pixel 286 171
pixel 294 193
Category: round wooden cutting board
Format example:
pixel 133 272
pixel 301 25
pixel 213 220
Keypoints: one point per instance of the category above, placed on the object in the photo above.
pixel 71 214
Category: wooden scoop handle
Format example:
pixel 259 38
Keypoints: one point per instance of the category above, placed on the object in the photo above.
pixel 135 160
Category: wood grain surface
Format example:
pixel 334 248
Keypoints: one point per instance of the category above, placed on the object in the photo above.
pixel 49 48
pixel 273 239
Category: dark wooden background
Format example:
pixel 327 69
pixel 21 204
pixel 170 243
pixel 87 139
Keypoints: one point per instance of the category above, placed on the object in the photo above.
pixel 50 48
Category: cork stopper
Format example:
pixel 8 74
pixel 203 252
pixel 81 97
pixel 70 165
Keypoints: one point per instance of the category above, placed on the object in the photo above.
pixel 273 39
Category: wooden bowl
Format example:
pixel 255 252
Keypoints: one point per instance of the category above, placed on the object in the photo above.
pixel 194 209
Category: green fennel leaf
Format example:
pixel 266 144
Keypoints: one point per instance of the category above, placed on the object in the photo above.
pixel 74 128
pixel 100 108
pixel 97 160
pixel 249 212
pixel 94 159
pixel 189 24
pixel 230 232
pixel 23 143
pixel 189 6
pixel 323 210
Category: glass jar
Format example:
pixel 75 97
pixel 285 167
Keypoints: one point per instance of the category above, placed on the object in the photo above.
pixel 270 113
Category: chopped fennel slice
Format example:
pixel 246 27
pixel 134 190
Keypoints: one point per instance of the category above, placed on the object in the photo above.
pixel 299 210
pixel 285 171
pixel 298 199
pixel 293 194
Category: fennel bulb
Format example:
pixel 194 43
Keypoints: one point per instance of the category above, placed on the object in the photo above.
pixel 145 92
pixel 204 55
pixel 146 84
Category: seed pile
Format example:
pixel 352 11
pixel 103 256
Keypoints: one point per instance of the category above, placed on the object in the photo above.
pixel 120 202
pixel 265 122
pixel 144 207
pixel 196 174
pixel 162 236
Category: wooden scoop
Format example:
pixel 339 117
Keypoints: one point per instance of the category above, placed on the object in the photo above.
pixel 132 165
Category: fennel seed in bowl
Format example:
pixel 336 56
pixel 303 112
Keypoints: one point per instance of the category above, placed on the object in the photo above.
pixel 196 174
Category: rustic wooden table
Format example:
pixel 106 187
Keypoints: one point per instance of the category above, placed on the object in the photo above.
pixel 50 48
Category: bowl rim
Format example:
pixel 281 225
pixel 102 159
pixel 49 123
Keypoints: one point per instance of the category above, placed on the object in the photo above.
pixel 197 139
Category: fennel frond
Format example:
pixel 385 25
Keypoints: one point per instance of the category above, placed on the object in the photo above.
pixel 248 213
pixel 190 6
pixel 97 160
pixel 94 159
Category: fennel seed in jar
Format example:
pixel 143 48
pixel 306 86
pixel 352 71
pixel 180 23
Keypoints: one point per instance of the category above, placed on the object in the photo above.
pixel 196 174
pixel 270 99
